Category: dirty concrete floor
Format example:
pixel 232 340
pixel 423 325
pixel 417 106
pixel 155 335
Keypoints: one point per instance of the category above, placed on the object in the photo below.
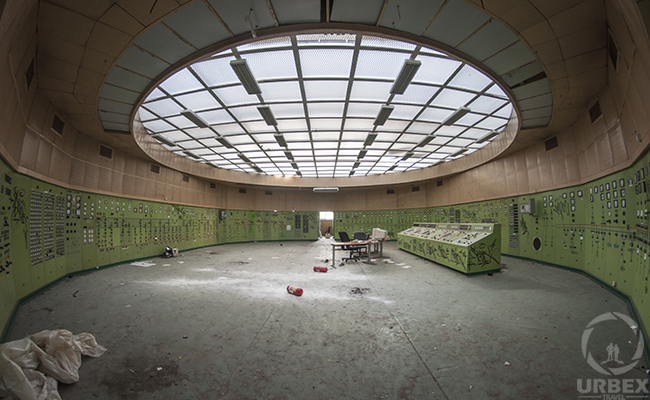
pixel 218 323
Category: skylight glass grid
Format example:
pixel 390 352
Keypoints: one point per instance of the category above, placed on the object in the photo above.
pixel 329 142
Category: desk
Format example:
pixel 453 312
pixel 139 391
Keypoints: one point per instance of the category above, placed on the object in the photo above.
pixel 379 248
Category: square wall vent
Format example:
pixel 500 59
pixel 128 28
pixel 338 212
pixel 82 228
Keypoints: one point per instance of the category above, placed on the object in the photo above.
pixel 155 168
pixel 595 112
pixel 58 124
pixel 186 178
pixel 105 152
pixel 551 143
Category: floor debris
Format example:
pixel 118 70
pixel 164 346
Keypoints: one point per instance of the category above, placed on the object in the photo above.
pixel 358 290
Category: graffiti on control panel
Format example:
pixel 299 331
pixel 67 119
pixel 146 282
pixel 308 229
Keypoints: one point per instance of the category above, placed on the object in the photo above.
pixel 470 216
pixel 19 210
pixel 457 257
pixel 561 208
pixel 482 255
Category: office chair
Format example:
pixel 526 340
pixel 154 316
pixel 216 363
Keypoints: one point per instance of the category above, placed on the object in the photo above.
pixel 359 235
pixel 355 250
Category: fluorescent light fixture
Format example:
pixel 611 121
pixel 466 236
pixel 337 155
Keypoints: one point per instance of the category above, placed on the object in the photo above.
pixel 407 155
pixel 164 140
pixel 459 152
pixel 487 137
pixel 356 165
pixel 362 154
pixel 191 115
pixel 294 165
pixel 224 142
pixel 437 163
pixel 405 76
pixel 458 114
pixel 426 140
pixel 370 139
pixel 288 154
pixel 267 115
pixel 280 139
pixel 383 115
pixel 245 76
pixel 326 189
pixel 391 168
pixel 243 157
pixel 298 173
pixel 257 169
pixel 190 154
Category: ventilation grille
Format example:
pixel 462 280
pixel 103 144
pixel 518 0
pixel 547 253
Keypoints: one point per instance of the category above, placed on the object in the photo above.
pixel 213 185
pixel 8 179
pixel 390 191
pixel 439 183
pixel 595 112
pixel 415 189
pixel 186 178
pixel 105 152
pixel 268 192
pixel 551 143
pixel 58 124
pixel 30 73
pixel 242 190
pixel 154 168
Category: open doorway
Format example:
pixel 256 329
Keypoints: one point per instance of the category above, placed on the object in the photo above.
pixel 326 220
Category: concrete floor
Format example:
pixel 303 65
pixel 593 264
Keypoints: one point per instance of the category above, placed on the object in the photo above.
pixel 218 323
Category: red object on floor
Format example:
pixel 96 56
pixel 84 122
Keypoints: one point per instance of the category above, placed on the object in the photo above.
pixel 294 290
pixel 320 269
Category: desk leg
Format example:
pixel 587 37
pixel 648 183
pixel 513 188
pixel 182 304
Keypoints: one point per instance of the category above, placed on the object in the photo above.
pixel 381 249
pixel 333 255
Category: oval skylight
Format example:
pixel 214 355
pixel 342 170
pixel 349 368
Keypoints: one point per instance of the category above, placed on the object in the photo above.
pixel 326 105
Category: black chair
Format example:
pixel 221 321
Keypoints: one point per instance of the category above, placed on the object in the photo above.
pixel 359 235
pixel 355 250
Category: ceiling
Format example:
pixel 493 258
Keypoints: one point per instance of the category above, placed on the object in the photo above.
pixel 333 104
pixel 97 60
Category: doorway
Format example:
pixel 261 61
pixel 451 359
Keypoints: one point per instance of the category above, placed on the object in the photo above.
pixel 326 220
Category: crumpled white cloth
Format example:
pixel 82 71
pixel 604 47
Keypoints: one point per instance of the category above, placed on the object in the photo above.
pixel 31 367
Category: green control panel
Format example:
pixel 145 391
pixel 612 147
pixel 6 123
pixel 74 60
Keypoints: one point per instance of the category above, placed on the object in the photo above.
pixel 468 248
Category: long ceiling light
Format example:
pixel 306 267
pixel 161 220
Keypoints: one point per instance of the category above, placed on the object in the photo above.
pixel 392 168
pixel 224 142
pixel 164 140
pixel 326 189
pixel 405 76
pixel 458 114
pixel 267 115
pixel 459 152
pixel 190 154
pixel 426 140
pixel 280 139
pixel 245 76
pixel 362 154
pixel 257 169
pixel 294 165
pixel 383 115
pixel 407 156
pixel 356 165
pixel 288 154
pixel 370 139
pixel 194 118
pixel 487 137
pixel 244 158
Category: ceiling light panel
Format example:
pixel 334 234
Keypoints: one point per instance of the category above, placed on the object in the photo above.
pixel 158 126
pixel 354 136
pixel 435 114
pixel 358 124
pixel 326 39
pixel 215 117
pixel 258 127
pixel 181 122
pixel 145 115
pixel 318 110
pixel 198 101
pixel 374 41
pixel 181 82
pixel 296 110
pixel 504 112
pixel 235 95
pixel 497 91
pixel 405 112
pixel 470 119
pixel 325 90
pixel 325 123
pixel 377 64
pixel 362 110
pixel 473 133
pixel 452 98
pixel 272 65
pixel 422 127
pixel 265 44
pixel 492 123
pixel 246 113
pixel 228 129
pixel 164 107
pixel 155 94
pixel 417 94
pixel 470 78
pixel 325 136
pixel 435 70
pixel 486 104
pixel 281 91
pixel 370 91
pixel 329 63
pixel 216 71
pixel 291 125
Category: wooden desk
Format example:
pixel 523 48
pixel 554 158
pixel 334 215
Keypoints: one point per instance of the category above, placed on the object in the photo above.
pixel 379 248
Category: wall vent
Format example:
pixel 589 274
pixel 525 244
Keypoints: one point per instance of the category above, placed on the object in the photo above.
pixel 242 190
pixel 268 193
pixel 8 179
pixel 186 178
pixel 439 183
pixel 612 49
pixel 58 124
pixel 595 112
pixel 30 73
pixel 154 168
pixel 390 191
pixel 415 189
pixel 105 152
pixel 551 143
pixel 213 185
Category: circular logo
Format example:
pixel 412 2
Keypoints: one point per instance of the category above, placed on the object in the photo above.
pixel 612 366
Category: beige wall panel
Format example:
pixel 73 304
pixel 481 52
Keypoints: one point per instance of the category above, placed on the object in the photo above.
pixel 620 80
pixel 82 147
pixel 96 61
pixel 534 182
pixel 118 161
pixel 176 194
pixel 77 173
pixel 549 52
pixel 105 179
pixel 103 161
pixel 142 11
pixel 62 23
pixel 511 187
pixel 117 183
pixel 87 82
pixel 116 17
pixel 30 150
pixel 58 49
pixel 522 16
pixel 106 39
pixel 575 17
pixel 140 188
pixel 617 144
pixel 23 46
pixel 91 178
pixel 628 125
pixel 558 173
pixel 130 165
pixel 142 168
pixel 593 162
pixel 620 32
pixel 640 115
pixel 538 33
pixel 51 67
pixel 43 157
pixel 642 85
pixel 604 152
pixel 523 183
pixel 546 178
pixel 60 166
pixel 572 168
pixel 583 41
pixel 608 107
pixel 39 112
